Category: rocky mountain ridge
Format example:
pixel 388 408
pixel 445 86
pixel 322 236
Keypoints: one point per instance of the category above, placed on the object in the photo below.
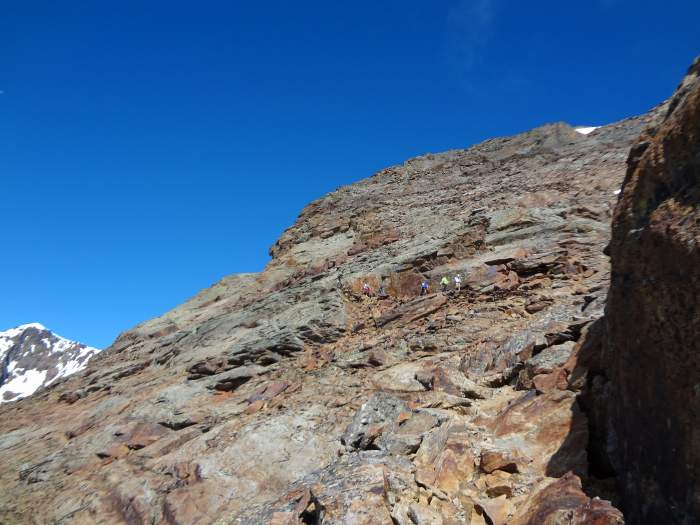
pixel 32 357
pixel 291 397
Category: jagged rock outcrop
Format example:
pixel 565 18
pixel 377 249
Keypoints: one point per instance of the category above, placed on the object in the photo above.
pixel 563 501
pixel 32 357
pixel 290 397
pixel 653 320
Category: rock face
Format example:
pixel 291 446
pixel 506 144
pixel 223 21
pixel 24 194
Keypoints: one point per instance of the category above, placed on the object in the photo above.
pixel 653 320
pixel 289 397
pixel 32 357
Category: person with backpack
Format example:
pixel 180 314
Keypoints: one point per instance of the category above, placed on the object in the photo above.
pixel 339 280
pixel 444 283
pixel 424 287
pixel 458 282
pixel 366 290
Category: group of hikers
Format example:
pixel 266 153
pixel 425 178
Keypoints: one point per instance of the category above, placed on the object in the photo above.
pixel 444 284
pixel 424 286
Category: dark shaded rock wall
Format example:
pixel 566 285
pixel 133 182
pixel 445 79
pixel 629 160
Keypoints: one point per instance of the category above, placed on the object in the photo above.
pixel 653 320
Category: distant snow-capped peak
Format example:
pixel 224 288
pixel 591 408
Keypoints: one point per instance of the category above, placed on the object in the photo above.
pixel 32 357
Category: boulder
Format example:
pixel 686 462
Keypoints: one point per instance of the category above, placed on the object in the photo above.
pixel 380 412
pixel 562 501
pixel 492 460
pixel 412 311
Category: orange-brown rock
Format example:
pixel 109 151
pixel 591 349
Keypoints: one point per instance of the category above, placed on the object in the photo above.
pixel 492 460
pixel 563 501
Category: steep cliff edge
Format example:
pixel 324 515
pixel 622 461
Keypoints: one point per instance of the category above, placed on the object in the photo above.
pixel 289 397
pixel 653 320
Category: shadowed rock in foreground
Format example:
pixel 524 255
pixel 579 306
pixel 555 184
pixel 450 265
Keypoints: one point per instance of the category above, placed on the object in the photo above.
pixel 288 397
pixel 653 320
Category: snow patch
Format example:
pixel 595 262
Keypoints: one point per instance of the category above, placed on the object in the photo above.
pixel 38 326
pixel 5 345
pixel 78 363
pixel 24 385
pixel 14 332
pixel 585 130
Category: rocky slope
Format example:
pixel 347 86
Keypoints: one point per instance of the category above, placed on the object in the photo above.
pixel 289 397
pixel 32 357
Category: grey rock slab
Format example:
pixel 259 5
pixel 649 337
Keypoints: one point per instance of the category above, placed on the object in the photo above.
pixel 550 358
pixel 231 380
pixel 380 410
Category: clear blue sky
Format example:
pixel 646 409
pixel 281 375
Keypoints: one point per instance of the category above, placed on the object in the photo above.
pixel 149 148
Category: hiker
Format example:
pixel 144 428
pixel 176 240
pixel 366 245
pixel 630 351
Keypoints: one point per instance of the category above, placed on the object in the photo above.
pixel 366 290
pixel 444 283
pixel 458 282
pixel 382 291
pixel 424 286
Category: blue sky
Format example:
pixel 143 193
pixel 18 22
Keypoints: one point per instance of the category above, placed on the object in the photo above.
pixel 147 149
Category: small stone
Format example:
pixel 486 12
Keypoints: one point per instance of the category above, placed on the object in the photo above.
pixel 497 460
pixel 255 406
